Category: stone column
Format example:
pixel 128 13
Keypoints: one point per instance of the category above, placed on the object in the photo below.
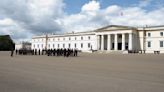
pixel 109 42
pixel 123 41
pixel 98 42
pixel 102 42
pixel 115 42
pixel 130 41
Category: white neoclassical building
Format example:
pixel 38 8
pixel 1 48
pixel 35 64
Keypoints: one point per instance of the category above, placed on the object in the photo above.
pixel 111 38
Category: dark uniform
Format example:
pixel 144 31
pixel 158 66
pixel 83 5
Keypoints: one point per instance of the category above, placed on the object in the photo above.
pixel 16 52
pixel 12 52
pixel 76 52
pixel 39 51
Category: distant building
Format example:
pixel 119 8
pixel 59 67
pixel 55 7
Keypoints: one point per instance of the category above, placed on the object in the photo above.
pixel 109 38
pixel 23 45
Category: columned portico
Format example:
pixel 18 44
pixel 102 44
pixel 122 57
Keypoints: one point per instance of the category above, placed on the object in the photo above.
pixel 121 41
pixel 116 38
pixel 115 42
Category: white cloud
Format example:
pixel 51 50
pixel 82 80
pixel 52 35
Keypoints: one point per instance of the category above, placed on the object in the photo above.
pixel 135 16
pixel 114 9
pixel 144 3
pixel 30 17
pixel 24 18
pixel 6 22
pixel 91 6
pixel 92 17
pixel 8 26
pixel 45 8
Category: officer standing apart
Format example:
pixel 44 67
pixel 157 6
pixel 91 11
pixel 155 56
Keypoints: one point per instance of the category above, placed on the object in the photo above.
pixel 12 51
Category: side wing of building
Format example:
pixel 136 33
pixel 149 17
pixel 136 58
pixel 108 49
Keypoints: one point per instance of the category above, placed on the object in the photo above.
pixel 83 41
pixel 151 39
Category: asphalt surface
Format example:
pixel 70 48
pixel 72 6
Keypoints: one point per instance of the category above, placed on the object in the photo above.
pixel 85 73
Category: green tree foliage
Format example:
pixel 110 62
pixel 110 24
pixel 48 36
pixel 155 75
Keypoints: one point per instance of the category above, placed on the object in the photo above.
pixel 6 43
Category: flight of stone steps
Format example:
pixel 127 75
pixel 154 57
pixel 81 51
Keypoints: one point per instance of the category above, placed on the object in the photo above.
pixel 112 52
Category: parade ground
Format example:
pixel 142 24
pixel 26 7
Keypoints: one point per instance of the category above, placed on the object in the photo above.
pixel 85 73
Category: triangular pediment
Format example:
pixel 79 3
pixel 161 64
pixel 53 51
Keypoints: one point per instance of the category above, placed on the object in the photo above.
pixel 114 27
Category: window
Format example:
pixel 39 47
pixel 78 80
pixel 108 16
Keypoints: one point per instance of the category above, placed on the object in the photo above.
pixel 58 39
pixel 119 36
pixel 75 38
pixel 161 33
pixel 49 45
pixel 34 45
pixel 149 44
pixel 69 38
pixel 75 45
pixel 161 43
pixel 53 45
pixel 89 45
pixel 149 34
pixel 89 37
pixel 63 45
pixel 81 45
pixel 81 38
pixel 63 38
pixel 69 45
pixel 42 45
pixel 58 45
pixel 38 45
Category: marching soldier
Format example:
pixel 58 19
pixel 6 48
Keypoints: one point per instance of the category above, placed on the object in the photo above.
pixel 35 51
pixel 39 51
pixel 16 51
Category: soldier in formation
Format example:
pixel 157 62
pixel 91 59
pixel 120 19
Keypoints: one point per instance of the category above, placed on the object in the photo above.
pixel 50 52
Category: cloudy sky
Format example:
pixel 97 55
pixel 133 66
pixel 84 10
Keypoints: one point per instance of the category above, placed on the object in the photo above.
pixel 24 18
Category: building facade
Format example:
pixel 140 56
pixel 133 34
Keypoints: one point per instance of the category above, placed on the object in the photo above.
pixel 23 45
pixel 109 38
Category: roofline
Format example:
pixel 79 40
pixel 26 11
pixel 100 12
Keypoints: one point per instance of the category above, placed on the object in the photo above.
pixel 154 26
pixel 66 34
pixel 126 27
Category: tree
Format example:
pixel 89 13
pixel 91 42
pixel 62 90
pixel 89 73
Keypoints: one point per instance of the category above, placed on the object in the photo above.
pixel 6 43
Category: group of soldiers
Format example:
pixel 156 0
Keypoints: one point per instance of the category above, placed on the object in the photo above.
pixel 62 52
pixel 49 52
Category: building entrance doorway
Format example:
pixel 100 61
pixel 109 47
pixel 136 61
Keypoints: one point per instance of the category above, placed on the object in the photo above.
pixel 126 46
pixel 119 46
pixel 112 46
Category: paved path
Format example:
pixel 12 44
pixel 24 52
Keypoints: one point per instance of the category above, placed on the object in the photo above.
pixel 86 73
